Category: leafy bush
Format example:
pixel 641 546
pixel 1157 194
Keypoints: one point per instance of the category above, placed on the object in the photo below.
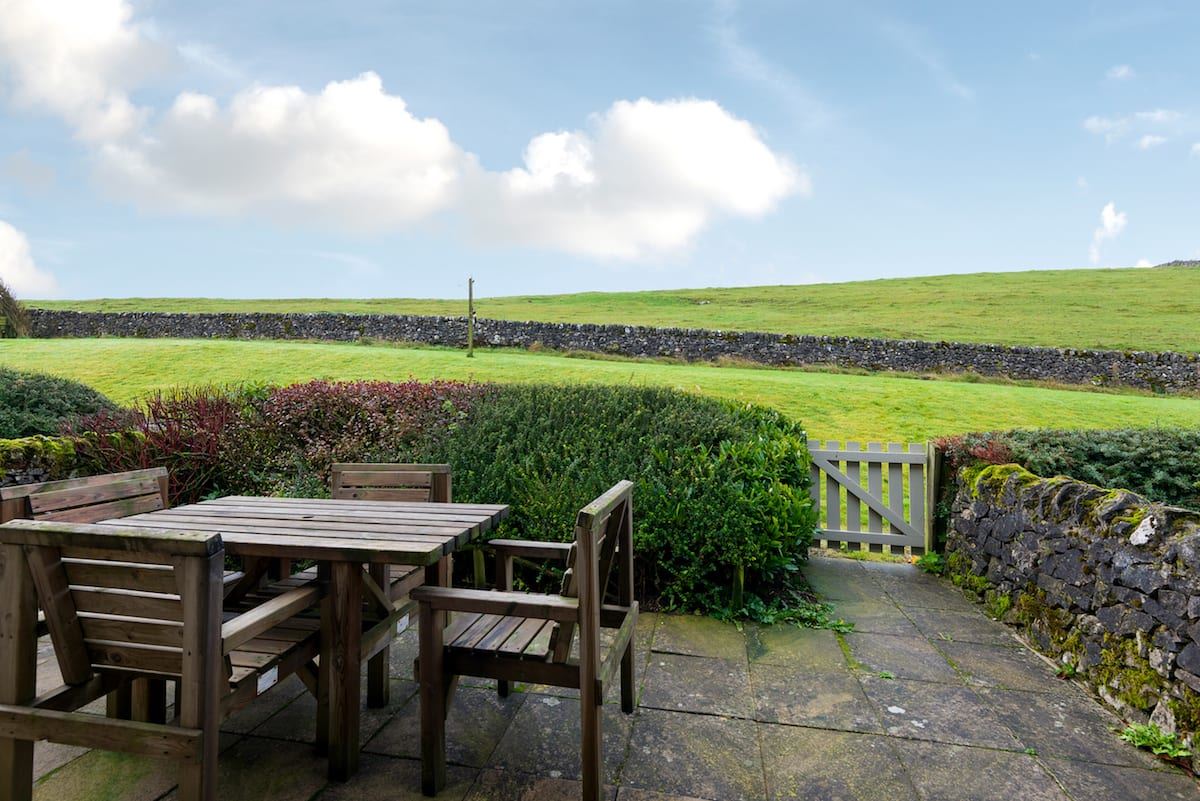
pixel 33 403
pixel 1162 464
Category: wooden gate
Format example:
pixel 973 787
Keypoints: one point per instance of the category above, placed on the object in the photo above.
pixel 888 510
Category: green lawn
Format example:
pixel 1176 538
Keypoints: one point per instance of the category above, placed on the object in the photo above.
pixel 1124 309
pixel 832 406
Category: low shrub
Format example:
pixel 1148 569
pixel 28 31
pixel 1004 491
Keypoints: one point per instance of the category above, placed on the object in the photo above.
pixel 1162 464
pixel 14 317
pixel 33 403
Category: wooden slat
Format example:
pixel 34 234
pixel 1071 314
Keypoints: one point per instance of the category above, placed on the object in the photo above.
pixel 833 453
pixel 25 490
pixel 538 647
pixel 499 633
pixel 137 657
pixel 916 489
pixel 386 478
pixel 129 629
pixel 398 518
pixel 515 604
pixel 530 549
pixel 853 505
pixel 126 575
pixel 874 486
pixel 127 603
pixel 54 500
pixel 379 494
pixel 264 616
pixel 896 483
pixel 368 529
pixel 483 509
pixel 91 731
pixel 520 639
pixel 106 511
pixel 833 498
pixel 388 467
pixel 58 605
pixel 119 541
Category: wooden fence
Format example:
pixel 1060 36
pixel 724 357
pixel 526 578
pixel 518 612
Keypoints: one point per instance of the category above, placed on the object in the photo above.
pixel 874 495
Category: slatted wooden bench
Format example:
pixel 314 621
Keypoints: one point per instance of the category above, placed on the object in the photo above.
pixel 122 604
pixel 507 636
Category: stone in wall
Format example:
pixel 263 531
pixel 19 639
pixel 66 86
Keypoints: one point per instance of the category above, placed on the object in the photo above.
pixel 1165 372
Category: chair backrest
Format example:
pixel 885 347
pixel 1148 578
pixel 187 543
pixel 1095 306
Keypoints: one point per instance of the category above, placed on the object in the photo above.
pixel 119 599
pixel 603 530
pixel 391 482
pixel 89 499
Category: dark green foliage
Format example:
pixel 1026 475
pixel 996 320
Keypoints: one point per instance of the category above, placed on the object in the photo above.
pixel 718 485
pixel 33 403
pixel 932 562
pixel 1162 464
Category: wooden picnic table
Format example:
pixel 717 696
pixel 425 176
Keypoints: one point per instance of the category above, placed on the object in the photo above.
pixel 342 537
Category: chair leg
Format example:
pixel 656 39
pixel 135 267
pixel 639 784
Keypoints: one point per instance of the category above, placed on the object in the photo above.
pixel 628 688
pixel 433 701
pixel 118 705
pixel 149 700
pixel 502 688
pixel 590 755
pixel 198 780
pixel 18 667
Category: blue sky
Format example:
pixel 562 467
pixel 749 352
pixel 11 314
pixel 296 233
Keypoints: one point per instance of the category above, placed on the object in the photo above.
pixel 390 149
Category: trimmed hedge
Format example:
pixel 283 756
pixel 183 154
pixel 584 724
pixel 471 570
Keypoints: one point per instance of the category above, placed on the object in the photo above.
pixel 721 499
pixel 33 403
pixel 1162 464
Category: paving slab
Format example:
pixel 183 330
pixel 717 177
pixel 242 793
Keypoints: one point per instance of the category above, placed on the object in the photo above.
pixel 833 700
pixel 816 765
pixel 256 769
pixel 1004 667
pixel 945 713
pixel 1086 781
pixel 265 706
pixel 903 657
pixel 841 580
pixel 697 684
pixel 1068 725
pixel 941 625
pixel 694 635
pixel 805 650
pixel 702 756
pixel 634 794
pixel 543 739
pixel 298 720
pixel 955 773
pixel 52 756
pixel 123 777
pixel 876 617
pixel 507 785
pixel 384 778
pixel 475 723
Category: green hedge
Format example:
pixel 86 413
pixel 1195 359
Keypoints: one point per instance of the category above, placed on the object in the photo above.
pixel 33 404
pixel 1162 464
pixel 721 496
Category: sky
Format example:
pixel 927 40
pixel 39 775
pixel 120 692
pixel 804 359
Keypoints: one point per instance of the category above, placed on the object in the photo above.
pixel 390 149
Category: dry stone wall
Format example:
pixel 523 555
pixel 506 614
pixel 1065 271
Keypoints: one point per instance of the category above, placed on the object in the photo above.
pixel 1166 372
pixel 1104 581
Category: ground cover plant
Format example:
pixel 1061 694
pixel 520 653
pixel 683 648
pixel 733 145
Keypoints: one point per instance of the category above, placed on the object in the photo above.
pixel 34 403
pixel 1057 308
pixel 723 514
pixel 833 406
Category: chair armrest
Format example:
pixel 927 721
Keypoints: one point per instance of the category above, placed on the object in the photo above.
pixel 531 549
pixel 493 602
pixel 245 627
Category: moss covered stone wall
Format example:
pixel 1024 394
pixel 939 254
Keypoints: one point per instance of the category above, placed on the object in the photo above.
pixel 1102 580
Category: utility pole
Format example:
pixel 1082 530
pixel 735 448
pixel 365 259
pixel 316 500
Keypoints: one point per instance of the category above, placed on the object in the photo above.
pixel 470 318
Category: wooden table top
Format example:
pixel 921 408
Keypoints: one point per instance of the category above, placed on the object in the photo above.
pixel 390 532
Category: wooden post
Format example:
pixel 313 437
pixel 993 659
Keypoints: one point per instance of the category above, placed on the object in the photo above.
pixel 587 571
pixel 625 598
pixel 504 582
pixel 345 681
pixel 433 700
pixel 203 676
pixel 933 478
pixel 470 318
pixel 18 667
pixel 379 688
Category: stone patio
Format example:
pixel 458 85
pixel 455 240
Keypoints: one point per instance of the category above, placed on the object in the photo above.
pixel 927 699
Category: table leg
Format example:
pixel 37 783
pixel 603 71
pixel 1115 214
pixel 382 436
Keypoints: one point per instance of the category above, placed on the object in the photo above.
pixel 18 667
pixel 378 666
pixel 341 649
pixel 323 573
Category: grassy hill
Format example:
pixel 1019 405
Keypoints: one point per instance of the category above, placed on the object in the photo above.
pixel 832 406
pixel 1135 309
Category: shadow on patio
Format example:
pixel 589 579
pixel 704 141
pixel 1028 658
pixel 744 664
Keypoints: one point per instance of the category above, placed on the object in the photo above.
pixel 927 699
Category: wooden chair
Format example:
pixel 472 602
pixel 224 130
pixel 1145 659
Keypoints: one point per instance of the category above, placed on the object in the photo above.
pixel 89 500
pixel 121 604
pixel 513 636
pixel 374 481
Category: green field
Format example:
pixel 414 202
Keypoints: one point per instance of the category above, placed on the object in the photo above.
pixel 832 406
pixel 1135 309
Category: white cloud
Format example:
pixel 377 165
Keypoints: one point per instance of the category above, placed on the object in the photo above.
pixel 1159 115
pixel 1143 263
pixel 1081 182
pixel 1147 125
pixel 1196 149
pixel 17 268
pixel 27 172
pixel 351 155
pixel 1121 72
pixel 77 59
pixel 1112 223
pixel 1150 141
pixel 646 179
